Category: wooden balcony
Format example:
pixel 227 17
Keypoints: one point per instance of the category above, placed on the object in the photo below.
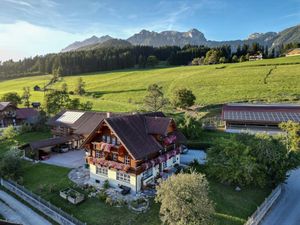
pixel 108 163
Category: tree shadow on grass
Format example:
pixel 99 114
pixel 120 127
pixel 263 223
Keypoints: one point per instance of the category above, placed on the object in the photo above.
pixel 98 94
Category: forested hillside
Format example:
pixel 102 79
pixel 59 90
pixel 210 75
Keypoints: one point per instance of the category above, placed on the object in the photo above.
pixel 118 54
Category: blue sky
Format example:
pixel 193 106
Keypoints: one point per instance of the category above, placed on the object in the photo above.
pixel 31 27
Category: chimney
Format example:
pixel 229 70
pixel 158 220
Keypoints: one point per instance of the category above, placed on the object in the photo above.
pixel 107 114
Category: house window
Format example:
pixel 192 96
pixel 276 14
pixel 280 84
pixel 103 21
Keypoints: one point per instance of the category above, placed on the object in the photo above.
pixel 113 140
pixel 103 138
pixel 102 171
pixel 174 159
pixel 148 173
pixel 121 176
pixel 99 154
pixel 164 165
pixel 115 157
pixel 127 160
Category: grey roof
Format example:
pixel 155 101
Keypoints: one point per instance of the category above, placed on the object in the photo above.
pixel 83 125
pixel 272 113
pixel 52 142
pixel 3 105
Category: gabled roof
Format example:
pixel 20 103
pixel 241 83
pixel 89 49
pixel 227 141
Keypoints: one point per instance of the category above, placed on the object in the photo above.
pixel 81 122
pixel 26 113
pixel 133 132
pixel 3 105
pixel 157 125
pixel 273 113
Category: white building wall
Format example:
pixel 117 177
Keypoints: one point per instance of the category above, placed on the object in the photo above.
pixel 135 181
pixel 112 179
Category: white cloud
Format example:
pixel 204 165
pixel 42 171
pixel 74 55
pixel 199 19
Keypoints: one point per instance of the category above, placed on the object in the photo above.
pixel 22 39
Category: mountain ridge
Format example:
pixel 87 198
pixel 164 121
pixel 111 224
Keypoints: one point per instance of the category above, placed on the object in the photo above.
pixel 192 37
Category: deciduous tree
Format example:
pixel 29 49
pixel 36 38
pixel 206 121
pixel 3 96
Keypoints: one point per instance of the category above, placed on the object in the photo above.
pixel 183 98
pixel 184 200
pixel 26 96
pixel 79 90
pixel 155 100
pixel 292 130
pixel 12 97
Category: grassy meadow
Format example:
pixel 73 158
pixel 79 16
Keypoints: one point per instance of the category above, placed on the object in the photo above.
pixel 213 84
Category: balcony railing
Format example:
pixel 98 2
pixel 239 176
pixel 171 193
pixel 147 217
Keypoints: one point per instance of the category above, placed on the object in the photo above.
pixel 108 163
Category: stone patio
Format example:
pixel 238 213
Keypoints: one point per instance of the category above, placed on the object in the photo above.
pixel 80 176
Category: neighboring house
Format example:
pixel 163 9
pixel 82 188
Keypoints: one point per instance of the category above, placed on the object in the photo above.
pixel 8 112
pixel 255 57
pixel 11 115
pixel 69 129
pixel 27 115
pixel 293 52
pixel 133 150
pixel 240 117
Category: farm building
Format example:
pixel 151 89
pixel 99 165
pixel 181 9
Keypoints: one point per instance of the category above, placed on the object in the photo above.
pixel 256 57
pixel 69 129
pixel 12 115
pixel 294 52
pixel 260 117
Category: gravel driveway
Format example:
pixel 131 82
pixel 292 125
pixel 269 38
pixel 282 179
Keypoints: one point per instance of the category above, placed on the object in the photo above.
pixel 287 210
pixel 70 159
pixel 15 211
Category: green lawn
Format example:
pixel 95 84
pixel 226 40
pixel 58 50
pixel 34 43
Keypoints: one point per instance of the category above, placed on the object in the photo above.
pixel 23 139
pixel 46 180
pixel 215 84
pixel 41 178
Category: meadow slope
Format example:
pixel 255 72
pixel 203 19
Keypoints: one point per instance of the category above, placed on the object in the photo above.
pixel 124 90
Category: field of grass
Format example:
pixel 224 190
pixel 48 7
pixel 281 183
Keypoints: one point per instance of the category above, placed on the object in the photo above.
pixel 214 84
pixel 233 208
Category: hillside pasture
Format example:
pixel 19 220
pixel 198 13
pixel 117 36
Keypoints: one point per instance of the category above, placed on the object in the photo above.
pixel 214 84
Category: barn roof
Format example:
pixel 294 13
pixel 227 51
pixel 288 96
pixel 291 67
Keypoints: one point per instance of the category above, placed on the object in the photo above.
pixel 272 113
